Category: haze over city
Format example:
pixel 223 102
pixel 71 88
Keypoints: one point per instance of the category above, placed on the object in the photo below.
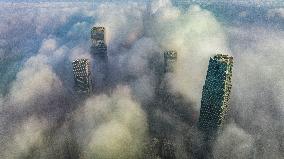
pixel 118 79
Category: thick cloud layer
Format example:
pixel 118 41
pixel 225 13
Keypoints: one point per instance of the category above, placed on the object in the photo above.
pixel 41 116
pixel 234 143
pixel 257 100
pixel 193 34
pixel 111 126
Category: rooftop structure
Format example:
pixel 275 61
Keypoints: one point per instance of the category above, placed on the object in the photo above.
pixel 82 76
pixel 216 93
pixel 170 59
pixel 98 34
pixel 99 48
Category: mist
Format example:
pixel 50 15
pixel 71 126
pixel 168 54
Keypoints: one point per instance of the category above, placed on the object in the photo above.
pixel 42 117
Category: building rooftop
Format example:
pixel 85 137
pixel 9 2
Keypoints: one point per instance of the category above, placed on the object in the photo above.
pixel 98 29
pixel 170 54
pixel 80 60
pixel 224 58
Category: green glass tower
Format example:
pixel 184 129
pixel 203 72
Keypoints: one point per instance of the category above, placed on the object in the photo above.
pixel 216 93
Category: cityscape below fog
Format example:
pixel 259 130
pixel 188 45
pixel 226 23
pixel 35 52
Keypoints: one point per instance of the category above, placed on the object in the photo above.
pixel 214 102
pixel 141 79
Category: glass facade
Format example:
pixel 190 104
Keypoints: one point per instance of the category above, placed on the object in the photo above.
pixel 216 93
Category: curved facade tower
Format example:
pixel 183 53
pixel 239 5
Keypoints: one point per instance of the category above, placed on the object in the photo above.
pixel 82 76
pixel 216 93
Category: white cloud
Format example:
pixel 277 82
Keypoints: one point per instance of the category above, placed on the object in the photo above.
pixel 28 137
pixel 112 126
pixel 257 81
pixel 195 35
pixel 36 81
pixel 233 143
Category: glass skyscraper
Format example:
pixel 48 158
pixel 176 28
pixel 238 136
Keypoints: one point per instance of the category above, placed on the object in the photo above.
pixel 216 93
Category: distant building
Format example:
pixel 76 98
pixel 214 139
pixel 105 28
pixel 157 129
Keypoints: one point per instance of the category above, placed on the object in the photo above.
pixel 170 59
pixel 216 93
pixel 82 76
pixel 99 48
pixel 100 57
pixel 162 148
pixel 98 33
pixel 167 150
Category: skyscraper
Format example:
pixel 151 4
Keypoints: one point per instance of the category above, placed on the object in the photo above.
pixel 98 33
pixel 216 93
pixel 164 93
pixel 100 58
pixel 170 59
pixel 162 148
pixel 82 76
pixel 99 48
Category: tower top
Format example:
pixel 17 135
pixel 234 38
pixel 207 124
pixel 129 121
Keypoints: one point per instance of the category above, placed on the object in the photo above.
pixel 80 61
pixel 98 29
pixel 224 58
pixel 171 54
pixel 170 59
pixel 98 33
pixel 80 65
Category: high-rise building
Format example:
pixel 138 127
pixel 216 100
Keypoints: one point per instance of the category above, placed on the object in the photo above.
pixel 216 93
pixel 99 48
pixel 100 58
pixel 162 148
pixel 82 76
pixel 170 59
pixel 98 33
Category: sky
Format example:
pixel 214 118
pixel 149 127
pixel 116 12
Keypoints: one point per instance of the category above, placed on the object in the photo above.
pixel 41 117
